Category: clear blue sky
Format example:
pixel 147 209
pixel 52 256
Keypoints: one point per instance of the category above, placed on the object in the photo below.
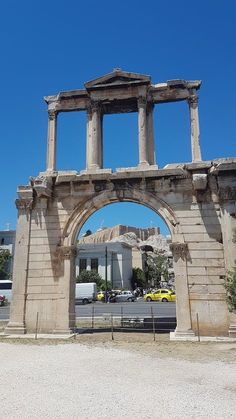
pixel 50 46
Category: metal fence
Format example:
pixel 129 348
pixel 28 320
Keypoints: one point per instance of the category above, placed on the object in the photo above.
pixel 152 318
pixel 139 321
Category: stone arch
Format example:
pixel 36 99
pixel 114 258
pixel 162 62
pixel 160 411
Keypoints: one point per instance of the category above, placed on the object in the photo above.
pixel 85 209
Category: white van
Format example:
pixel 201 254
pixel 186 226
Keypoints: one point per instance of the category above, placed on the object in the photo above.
pixel 6 289
pixel 85 292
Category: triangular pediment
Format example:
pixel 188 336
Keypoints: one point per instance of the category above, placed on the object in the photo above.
pixel 116 78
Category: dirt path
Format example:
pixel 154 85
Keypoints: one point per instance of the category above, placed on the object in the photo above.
pixel 93 377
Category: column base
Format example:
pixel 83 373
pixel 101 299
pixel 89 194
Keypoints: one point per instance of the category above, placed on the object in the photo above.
pixel 232 330
pixel 62 332
pixel 232 324
pixel 183 335
pixel 146 166
pixel 14 328
pixel 95 169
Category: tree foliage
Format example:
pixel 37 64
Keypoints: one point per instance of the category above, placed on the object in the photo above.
pixel 102 285
pixel 5 257
pixel 230 284
pixel 89 276
pixel 93 276
pixel 156 268
pixel 138 278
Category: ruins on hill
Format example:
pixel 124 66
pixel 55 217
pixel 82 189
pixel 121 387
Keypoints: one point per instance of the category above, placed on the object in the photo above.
pixel 110 233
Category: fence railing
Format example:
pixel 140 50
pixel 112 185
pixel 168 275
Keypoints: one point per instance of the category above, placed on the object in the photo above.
pixel 152 318
pixel 124 320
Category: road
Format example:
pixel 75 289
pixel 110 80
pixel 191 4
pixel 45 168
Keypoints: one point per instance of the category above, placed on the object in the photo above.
pixel 138 308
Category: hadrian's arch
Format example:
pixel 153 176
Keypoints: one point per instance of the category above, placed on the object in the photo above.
pixel 195 199
pixel 127 194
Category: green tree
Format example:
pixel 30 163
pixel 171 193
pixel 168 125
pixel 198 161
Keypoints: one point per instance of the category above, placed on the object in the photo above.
pixel 89 276
pixel 230 284
pixel 5 257
pixel 102 285
pixel 93 276
pixel 138 278
pixel 156 268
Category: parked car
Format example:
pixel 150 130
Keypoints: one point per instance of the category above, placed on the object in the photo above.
pixel 111 294
pixel 6 289
pixel 125 296
pixel 2 300
pixel 101 296
pixel 162 294
pixel 85 292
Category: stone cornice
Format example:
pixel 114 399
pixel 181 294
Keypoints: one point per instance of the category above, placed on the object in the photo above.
pixel 24 204
pixel 43 187
pixel 117 85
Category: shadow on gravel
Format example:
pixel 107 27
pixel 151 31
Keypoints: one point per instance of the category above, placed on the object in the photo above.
pixel 134 325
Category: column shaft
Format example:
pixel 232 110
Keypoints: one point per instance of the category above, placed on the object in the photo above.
pixel 150 134
pixel 89 139
pixel 52 133
pixel 100 145
pixel 195 131
pixel 183 313
pixel 94 140
pixel 142 131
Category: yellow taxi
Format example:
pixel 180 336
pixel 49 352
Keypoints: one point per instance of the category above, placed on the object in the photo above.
pixel 162 294
pixel 100 296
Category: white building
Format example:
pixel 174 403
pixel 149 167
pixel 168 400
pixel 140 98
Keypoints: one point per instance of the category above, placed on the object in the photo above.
pixel 118 262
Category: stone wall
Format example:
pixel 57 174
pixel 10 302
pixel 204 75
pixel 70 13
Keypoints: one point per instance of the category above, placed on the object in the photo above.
pixel 197 202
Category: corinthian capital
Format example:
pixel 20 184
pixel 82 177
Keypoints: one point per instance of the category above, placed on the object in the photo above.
pixel 66 252
pixel 179 250
pixel 24 204
pixel 52 115
pixel 142 101
pixel 193 100
pixel 95 105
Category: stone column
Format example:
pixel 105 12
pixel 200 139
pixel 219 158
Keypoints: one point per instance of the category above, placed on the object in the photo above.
pixel 52 140
pixel 183 314
pixel 16 324
pixel 94 140
pixel 195 131
pixel 101 142
pixel 142 131
pixel 88 137
pixel 150 134
pixel 64 313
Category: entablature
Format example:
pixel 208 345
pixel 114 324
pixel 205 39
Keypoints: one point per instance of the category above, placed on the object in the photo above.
pixel 119 91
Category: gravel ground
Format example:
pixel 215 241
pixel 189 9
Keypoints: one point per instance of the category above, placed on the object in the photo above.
pixel 94 377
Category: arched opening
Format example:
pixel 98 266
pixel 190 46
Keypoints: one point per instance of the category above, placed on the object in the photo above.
pixel 123 253
pixel 134 237
pixel 86 209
